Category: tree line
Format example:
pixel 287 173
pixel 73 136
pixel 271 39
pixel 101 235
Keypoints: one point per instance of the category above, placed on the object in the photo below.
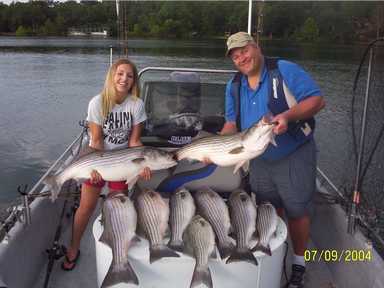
pixel 306 21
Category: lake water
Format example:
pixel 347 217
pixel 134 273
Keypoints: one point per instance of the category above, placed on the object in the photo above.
pixel 46 84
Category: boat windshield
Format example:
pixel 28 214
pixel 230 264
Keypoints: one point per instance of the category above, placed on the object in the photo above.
pixel 182 109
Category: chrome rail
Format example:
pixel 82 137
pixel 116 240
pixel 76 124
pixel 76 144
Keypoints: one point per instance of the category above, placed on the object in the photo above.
pixel 331 184
pixel 24 208
pixel 361 219
pixel 61 157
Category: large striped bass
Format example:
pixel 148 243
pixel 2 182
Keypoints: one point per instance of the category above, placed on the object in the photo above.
pixel 266 224
pixel 228 150
pixel 115 165
pixel 212 207
pixel 200 241
pixel 120 220
pixel 243 219
pixel 153 215
pixel 182 209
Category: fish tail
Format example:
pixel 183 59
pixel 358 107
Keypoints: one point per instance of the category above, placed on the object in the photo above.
pixel 225 249
pixel 201 275
pixel 127 275
pixel 242 255
pixel 262 248
pixel 53 186
pixel 160 251
pixel 176 245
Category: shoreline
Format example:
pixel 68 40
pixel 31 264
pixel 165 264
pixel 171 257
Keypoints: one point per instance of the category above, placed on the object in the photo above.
pixel 173 38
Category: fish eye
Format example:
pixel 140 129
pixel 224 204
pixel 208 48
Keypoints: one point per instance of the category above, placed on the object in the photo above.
pixel 243 198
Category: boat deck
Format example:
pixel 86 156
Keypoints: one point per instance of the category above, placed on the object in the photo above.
pixel 85 275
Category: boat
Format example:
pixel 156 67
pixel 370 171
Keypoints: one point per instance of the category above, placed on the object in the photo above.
pixel 103 33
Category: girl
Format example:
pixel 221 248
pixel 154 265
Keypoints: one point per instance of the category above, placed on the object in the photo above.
pixel 115 118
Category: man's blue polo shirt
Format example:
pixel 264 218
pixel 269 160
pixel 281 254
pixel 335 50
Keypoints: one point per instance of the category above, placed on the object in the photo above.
pixel 254 103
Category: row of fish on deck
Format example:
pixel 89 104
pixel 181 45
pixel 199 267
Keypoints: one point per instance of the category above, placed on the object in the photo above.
pixel 197 225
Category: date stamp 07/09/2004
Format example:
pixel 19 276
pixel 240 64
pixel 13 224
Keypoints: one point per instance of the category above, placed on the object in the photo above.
pixel 333 255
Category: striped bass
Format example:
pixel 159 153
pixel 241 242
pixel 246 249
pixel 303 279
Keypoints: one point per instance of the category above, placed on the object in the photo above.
pixel 115 165
pixel 153 214
pixel 243 217
pixel 200 240
pixel 120 220
pixel 228 150
pixel 212 207
pixel 266 224
pixel 182 209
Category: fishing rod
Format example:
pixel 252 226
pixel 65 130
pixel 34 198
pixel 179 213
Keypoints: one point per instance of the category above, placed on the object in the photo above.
pixel 352 217
pixel 57 251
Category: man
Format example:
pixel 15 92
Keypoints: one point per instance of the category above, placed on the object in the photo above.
pixel 283 175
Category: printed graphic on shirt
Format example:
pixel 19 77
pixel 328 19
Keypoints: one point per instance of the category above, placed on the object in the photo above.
pixel 117 127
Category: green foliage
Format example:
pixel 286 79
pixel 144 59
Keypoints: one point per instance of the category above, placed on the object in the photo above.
pixel 49 28
pixel 301 20
pixel 309 32
pixel 137 29
pixel 22 31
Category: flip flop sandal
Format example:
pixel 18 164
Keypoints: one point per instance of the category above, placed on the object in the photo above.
pixel 70 262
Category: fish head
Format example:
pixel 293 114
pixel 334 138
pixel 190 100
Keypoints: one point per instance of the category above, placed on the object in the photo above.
pixel 199 220
pixel 182 194
pixel 157 159
pixel 151 195
pixel 206 192
pixel 239 195
pixel 258 136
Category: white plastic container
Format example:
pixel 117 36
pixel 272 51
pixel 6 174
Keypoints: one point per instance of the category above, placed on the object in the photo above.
pixel 177 272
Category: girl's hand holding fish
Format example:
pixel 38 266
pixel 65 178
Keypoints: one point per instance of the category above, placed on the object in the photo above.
pixel 207 161
pixel 146 173
pixel 95 177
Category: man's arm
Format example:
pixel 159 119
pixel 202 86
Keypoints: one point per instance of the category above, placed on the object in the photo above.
pixel 303 110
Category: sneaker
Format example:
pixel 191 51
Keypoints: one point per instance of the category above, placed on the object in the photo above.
pixel 297 277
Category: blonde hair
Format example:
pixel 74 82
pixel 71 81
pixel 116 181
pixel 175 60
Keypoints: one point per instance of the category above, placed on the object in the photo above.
pixel 108 94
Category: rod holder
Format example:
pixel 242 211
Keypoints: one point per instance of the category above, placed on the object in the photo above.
pixel 26 208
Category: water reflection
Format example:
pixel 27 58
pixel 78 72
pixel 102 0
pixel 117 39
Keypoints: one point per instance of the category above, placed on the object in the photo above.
pixel 191 48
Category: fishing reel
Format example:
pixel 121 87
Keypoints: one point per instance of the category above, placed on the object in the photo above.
pixel 57 251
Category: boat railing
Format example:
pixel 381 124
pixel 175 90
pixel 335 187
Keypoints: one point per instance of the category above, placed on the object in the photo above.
pixel 341 199
pixel 325 179
pixel 21 213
